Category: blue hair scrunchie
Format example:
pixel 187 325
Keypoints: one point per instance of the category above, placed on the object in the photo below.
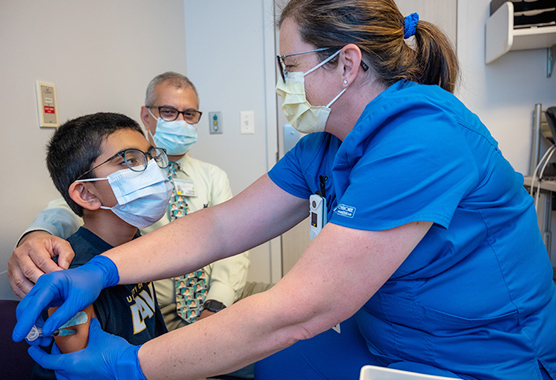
pixel 410 24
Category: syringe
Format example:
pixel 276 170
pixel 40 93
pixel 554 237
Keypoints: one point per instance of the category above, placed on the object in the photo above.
pixel 36 332
pixel 78 319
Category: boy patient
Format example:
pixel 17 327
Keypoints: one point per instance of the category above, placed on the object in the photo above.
pixel 109 174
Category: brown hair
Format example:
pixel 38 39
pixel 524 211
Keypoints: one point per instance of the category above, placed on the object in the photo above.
pixel 377 28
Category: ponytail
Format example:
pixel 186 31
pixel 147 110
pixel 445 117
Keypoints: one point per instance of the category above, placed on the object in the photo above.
pixel 435 57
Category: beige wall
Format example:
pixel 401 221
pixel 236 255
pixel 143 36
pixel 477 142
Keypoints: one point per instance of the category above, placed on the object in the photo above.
pixel 100 55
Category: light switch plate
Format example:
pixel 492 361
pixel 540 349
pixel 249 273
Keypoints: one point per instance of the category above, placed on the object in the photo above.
pixel 47 104
pixel 247 122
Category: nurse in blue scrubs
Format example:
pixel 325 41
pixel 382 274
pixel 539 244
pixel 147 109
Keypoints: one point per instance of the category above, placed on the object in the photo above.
pixel 431 260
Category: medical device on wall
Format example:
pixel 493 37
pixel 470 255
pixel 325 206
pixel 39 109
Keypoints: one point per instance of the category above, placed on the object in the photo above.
pixel 318 210
pixel 547 124
pixel 541 168
pixel 47 104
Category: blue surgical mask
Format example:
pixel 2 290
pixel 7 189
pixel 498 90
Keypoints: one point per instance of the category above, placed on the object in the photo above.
pixel 176 136
pixel 142 196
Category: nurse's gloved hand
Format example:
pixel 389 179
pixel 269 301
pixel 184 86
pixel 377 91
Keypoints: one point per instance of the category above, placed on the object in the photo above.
pixel 73 289
pixel 41 340
pixel 106 356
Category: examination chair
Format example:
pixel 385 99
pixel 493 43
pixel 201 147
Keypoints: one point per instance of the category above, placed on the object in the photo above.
pixel 15 362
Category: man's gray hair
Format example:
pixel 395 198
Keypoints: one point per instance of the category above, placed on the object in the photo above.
pixel 174 79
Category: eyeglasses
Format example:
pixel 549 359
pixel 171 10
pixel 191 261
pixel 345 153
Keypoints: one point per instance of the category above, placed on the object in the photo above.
pixel 168 113
pixel 136 160
pixel 282 65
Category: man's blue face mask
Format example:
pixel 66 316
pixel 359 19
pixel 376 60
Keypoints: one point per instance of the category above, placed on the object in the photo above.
pixel 176 136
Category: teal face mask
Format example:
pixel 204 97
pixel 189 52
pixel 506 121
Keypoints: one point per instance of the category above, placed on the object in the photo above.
pixel 177 136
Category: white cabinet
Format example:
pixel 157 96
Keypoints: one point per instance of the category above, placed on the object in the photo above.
pixel 502 37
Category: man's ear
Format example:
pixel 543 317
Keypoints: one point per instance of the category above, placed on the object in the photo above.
pixel 79 193
pixel 350 58
pixel 147 120
pixel 145 115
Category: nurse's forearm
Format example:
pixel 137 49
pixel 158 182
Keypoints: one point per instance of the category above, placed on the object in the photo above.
pixel 179 247
pixel 297 307
pixel 242 334
pixel 261 324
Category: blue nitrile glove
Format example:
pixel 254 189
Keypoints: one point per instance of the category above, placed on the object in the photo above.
pixel 73 289
pixel 106 356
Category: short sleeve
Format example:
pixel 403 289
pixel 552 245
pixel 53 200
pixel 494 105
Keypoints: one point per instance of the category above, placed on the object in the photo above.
pixel 418 167
pixel 298 171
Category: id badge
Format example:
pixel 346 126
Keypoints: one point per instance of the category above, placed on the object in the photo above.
pixel 184 187
pixel 318 214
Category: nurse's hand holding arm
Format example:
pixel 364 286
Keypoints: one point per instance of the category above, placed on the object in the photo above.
pixel 254 327
pixel 73 289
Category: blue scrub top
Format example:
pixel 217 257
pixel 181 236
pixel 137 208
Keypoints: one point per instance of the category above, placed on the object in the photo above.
pixel 476 295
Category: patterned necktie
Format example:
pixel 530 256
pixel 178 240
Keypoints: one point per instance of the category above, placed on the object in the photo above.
pixel 191 289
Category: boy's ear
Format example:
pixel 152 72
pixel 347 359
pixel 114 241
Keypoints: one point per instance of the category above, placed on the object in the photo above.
pixel 79 193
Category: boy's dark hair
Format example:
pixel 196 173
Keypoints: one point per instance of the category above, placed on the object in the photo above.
pixel 76 145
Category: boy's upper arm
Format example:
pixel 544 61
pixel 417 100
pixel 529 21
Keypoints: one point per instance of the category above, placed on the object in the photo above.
pixel 79 340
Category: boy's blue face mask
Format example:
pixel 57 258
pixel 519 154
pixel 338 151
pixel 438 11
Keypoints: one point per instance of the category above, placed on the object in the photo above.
pixel 142 196
pixel 176 136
